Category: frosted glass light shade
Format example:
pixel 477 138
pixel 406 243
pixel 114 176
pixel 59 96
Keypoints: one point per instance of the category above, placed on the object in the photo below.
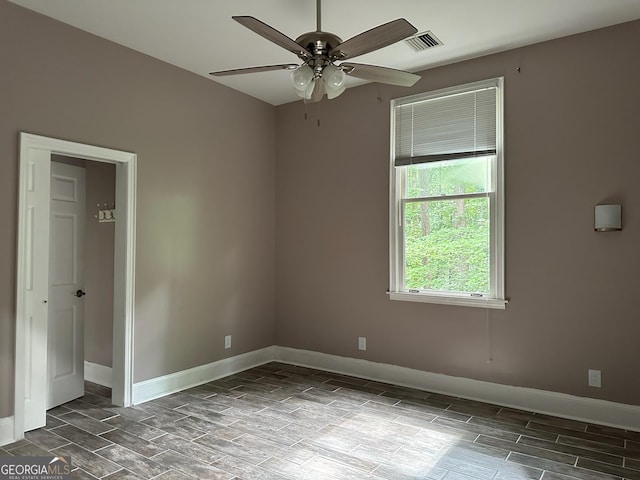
pixel 607 218
pixel 334 81
pixel 301 78
pixel 333 93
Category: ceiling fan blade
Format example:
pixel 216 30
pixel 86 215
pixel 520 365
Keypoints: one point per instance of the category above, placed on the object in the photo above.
pixel 378 37
pixel 266 68
pixel 386 75
pixel 318 91
pixel 273 35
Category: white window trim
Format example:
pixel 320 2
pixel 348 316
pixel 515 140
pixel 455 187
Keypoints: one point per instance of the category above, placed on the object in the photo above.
pixel 497 299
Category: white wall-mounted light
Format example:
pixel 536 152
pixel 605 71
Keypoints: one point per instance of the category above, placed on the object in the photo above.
pixel 607 218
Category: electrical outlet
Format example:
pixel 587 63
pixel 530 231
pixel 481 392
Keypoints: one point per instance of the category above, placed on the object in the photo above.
pixel 595 378
pixel 227 341
pixel 362 343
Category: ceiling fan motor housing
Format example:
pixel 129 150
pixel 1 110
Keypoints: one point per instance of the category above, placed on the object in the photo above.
pixel 320 44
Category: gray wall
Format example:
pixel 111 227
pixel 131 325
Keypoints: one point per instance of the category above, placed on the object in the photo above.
pixel 206 175
pixel 571 143
pixel 98 262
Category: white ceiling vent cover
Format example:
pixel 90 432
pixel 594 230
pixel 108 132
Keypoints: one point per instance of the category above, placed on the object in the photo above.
pixel 423 41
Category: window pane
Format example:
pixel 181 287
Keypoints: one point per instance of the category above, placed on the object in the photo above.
pixel 446 245
pixel 451 177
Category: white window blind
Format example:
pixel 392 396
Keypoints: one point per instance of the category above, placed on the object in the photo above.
pixel 461 125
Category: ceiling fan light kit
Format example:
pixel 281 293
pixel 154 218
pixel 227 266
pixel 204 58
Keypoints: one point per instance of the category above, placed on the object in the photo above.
pixel 332 80
pixel 319 74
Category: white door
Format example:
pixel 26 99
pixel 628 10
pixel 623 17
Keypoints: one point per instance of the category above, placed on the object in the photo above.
pixel 66 285
pixel 33 288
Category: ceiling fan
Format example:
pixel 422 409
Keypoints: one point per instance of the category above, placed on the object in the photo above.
pixel 319 51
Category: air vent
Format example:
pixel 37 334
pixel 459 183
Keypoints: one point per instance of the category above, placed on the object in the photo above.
pixel 423 41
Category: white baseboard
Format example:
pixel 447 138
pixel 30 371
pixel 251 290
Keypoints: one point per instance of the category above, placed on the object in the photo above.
pixel 6 431
pixel 175 382
pixel 552 403
pixel 541 401
pixel 99 374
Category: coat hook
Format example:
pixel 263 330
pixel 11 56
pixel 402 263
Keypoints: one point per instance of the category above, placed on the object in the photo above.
pixel 106 213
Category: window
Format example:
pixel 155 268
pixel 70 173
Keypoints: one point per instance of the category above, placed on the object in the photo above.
pixel 447 197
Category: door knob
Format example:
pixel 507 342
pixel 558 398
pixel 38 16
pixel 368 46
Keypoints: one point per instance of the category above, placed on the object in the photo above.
pixel 80 293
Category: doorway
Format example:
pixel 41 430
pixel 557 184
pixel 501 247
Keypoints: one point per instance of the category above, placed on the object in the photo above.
pixel 32 286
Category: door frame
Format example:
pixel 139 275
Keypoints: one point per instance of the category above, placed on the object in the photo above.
pixel 33 266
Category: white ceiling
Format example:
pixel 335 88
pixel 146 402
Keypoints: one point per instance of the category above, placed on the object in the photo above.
pixel 200 36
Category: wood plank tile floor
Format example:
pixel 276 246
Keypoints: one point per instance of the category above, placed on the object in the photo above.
pixel 280 422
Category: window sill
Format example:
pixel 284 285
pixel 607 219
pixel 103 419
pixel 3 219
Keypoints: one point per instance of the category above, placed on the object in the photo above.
pixel 461 301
